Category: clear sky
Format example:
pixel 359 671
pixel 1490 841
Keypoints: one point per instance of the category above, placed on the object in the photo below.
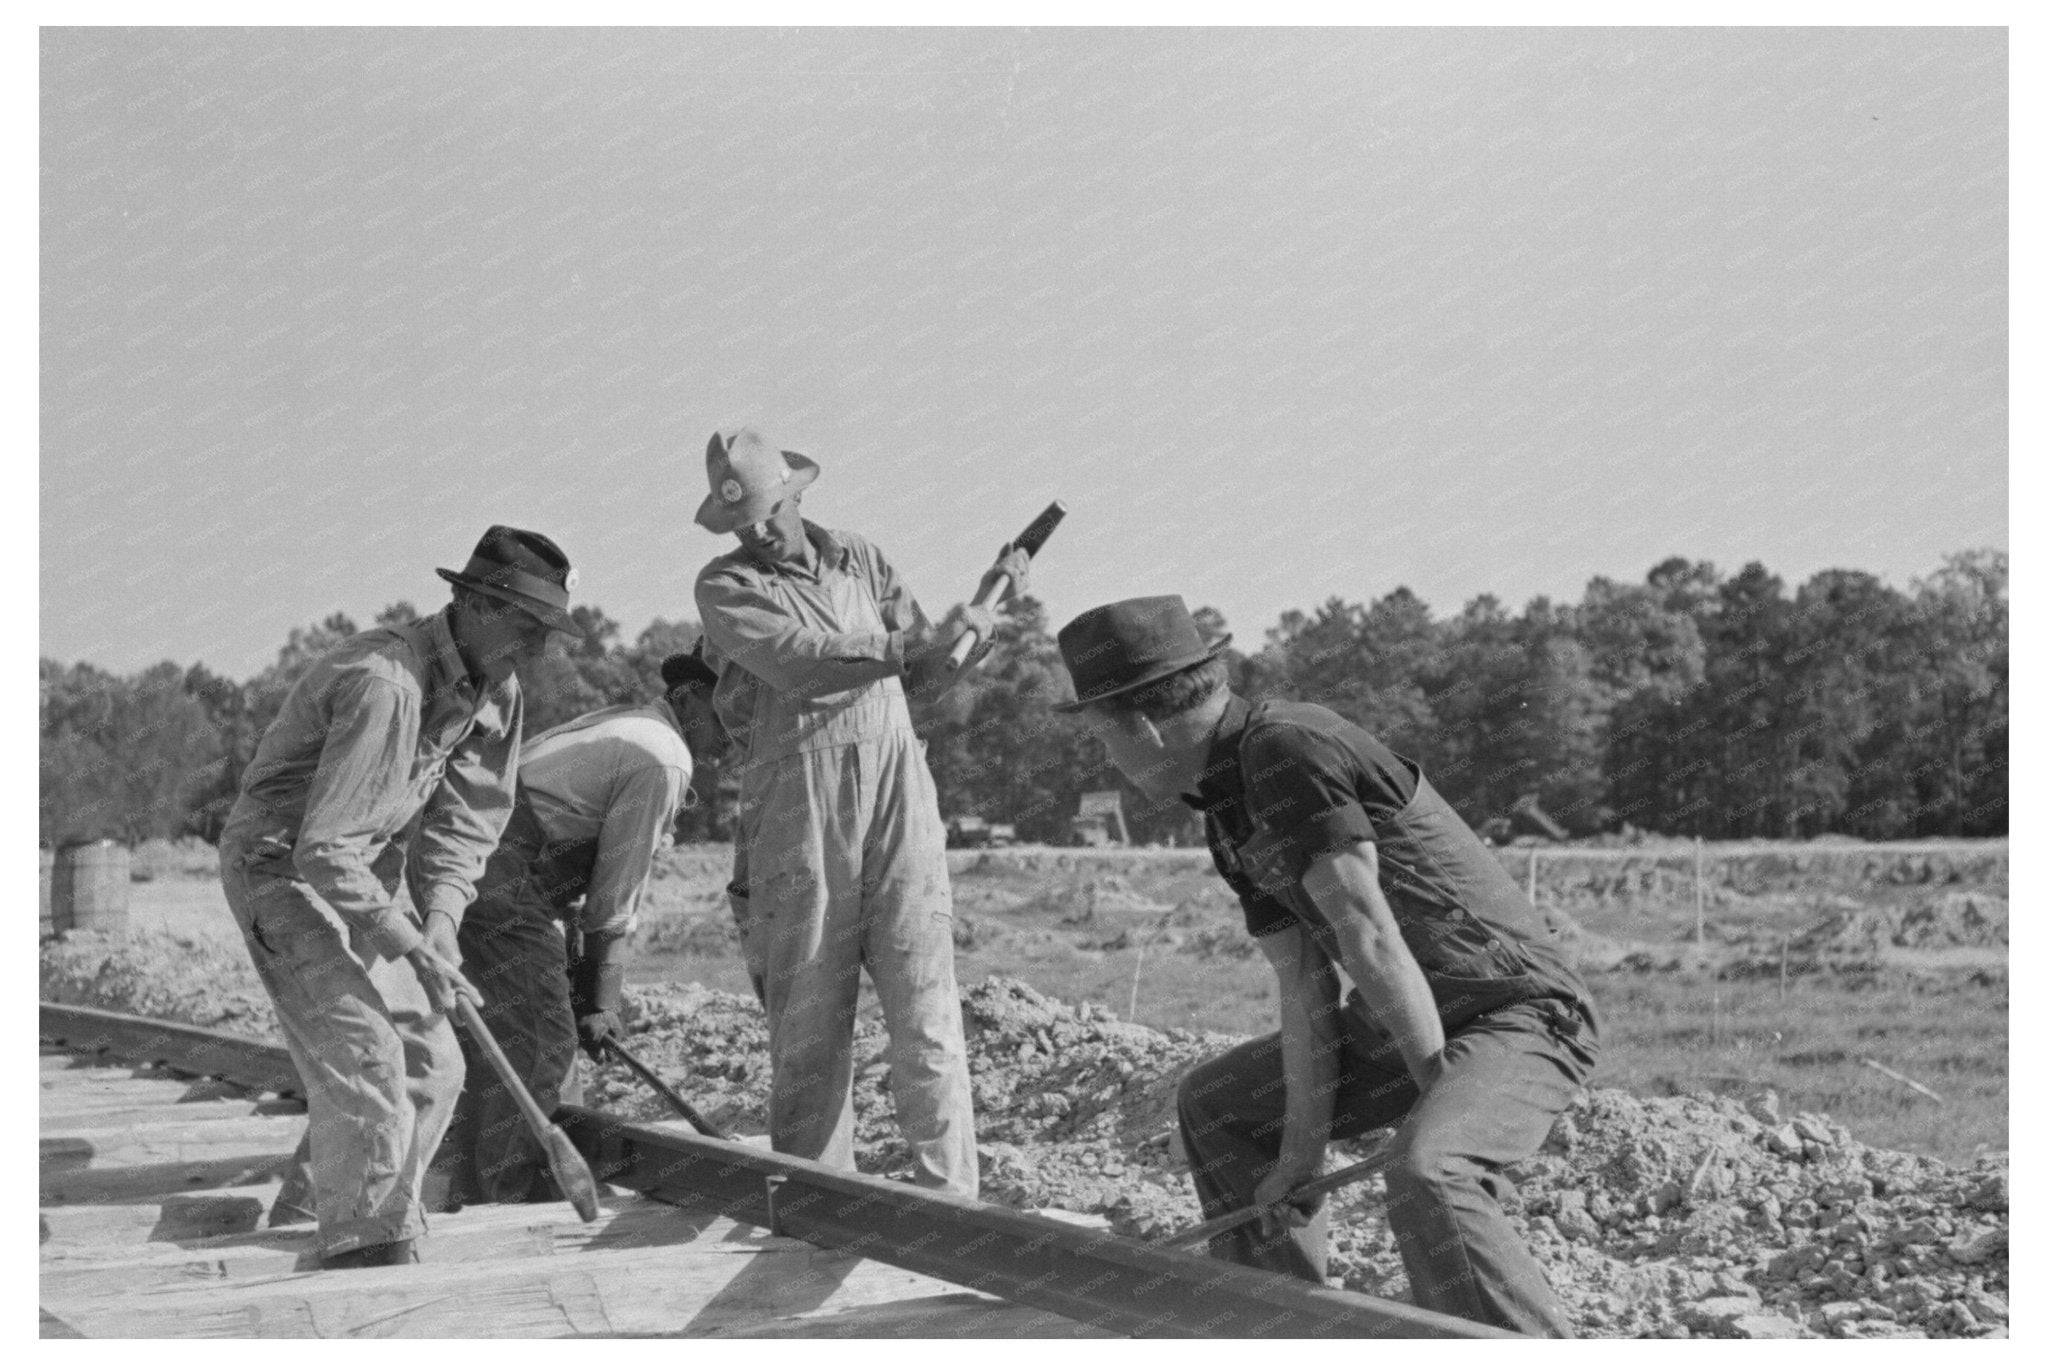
pixel 1277 314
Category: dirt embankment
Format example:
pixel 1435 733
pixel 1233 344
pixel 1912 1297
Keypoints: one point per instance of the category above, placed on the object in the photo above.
pixel 1654 1217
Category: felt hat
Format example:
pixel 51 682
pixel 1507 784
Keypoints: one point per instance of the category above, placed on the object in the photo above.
pixel 523 568
pixel 1125 645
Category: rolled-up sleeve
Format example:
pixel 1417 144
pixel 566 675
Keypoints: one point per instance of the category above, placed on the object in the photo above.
pixel 357 795
pixel 1300 793
pixel 468 812
pixel 642 811
pixel 749 627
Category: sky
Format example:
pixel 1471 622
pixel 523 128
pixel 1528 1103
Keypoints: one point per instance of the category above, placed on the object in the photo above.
pixel 1277 314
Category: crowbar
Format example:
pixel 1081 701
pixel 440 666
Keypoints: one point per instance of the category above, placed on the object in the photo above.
pixel 681 1105
pixel 1312 1189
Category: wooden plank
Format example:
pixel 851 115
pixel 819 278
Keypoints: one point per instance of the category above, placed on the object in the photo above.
pixel 169 1135
pixel 730 1279
pixel 145 1229
pixel 58 1120
pixel 109 1088
pixel 145 1147
pixel 153 1183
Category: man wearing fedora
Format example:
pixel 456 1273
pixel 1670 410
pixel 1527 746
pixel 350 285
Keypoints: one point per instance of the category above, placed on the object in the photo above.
pixel 598 797
pixel 1466 1027
pixel 394 724
pixel 816 640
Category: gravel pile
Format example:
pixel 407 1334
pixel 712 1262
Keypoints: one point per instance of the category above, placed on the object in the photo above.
pixel 1654 1217
pixel 193 980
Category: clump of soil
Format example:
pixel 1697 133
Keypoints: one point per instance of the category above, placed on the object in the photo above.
pixel 1652 1216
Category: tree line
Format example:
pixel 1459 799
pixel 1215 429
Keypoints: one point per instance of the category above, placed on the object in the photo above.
pixel 1691 703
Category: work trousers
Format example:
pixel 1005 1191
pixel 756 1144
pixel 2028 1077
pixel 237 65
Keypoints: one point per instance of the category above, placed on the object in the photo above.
pixel 514 954
pixel 381 1070
pixel 1506 1077
pixel 846 869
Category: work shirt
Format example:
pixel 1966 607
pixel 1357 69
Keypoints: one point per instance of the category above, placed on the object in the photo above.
pixel 1288 782
pixel 809 657
pixel 385 727
pixel 618 777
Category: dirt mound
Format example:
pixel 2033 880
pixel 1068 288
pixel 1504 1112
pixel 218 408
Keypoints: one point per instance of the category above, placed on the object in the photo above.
pixel 1960 919
pixel 167 976
pixel 1653 1217
pixel 1956 919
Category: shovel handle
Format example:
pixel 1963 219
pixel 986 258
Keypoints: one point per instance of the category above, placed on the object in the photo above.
pixel 480 1034
pixel 565 1163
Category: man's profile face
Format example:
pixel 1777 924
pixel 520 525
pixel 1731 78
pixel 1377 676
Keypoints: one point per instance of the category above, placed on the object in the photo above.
pixel 502 637
pixel 1134 747
pixel 701 731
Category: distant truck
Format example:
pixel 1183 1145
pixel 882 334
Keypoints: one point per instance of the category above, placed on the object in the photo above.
pixel 971 831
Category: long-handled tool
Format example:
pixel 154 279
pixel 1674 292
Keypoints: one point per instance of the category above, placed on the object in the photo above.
pixel 1312 1189
pixel 1031 542
pixel 656 1084
pixel 565 1163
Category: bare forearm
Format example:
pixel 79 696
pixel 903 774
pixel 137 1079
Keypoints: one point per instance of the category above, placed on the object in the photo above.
pixel 1310 1061
pixel 1309 1041
pixel 1398 997
pixel 1345 887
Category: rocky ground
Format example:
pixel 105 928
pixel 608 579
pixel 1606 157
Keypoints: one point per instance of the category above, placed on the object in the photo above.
pixel 1664 1217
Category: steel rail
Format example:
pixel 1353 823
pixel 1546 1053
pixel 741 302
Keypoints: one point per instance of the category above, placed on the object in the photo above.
pixel 1091 1277
pixel 204 1053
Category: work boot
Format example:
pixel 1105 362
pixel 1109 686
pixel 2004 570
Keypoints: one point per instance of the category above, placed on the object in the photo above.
pixel 376 1254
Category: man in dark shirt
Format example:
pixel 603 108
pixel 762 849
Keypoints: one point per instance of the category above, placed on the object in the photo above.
pixel 1466 1027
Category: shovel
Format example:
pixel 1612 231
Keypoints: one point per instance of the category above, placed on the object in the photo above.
pixel 565 1163
pixel 1311 1189
pixel 655 1083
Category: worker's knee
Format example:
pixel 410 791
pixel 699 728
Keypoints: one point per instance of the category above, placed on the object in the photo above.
pixel 438 1068
pixel 1429 1170
pixel 1204 1097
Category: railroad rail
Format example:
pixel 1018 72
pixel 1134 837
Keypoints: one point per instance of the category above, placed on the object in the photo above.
pixel 1091 1277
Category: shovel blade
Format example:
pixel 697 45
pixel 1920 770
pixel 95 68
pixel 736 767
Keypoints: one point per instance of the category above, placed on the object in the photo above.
pixel 571 1172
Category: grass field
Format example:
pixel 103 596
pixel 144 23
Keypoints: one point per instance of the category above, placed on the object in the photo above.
pixel 1153 936
pixel 1159 941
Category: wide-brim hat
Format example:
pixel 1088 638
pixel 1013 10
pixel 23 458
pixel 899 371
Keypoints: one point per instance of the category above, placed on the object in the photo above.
pixel 1125 645
pixel 523 568
pixel 749 475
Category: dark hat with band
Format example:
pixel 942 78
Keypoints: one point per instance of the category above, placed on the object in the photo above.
pixel 1125 645
pixel 688 670
pixel 523 568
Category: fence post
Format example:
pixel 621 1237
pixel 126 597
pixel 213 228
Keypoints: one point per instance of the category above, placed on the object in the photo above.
pixel 1532 874
pixel 1699 890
